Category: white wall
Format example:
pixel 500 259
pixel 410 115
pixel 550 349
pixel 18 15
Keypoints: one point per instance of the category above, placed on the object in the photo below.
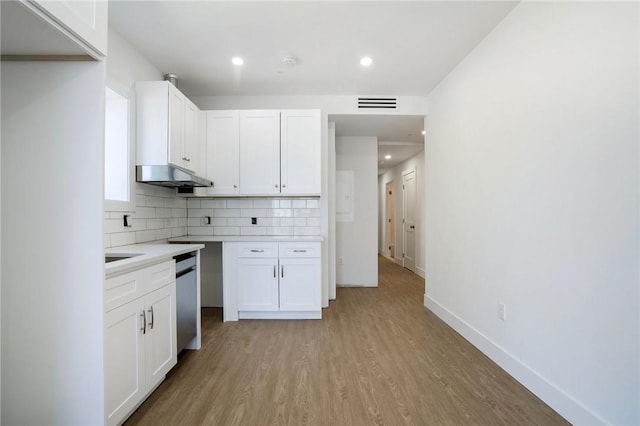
pixel 356 241
pixel 532 201
pixel 159 214
pixel 414 163
pixel 52 255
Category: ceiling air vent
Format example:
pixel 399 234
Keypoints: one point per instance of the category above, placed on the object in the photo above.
pixel 377 103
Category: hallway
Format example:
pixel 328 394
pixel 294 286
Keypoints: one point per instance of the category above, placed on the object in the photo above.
pixel 377 357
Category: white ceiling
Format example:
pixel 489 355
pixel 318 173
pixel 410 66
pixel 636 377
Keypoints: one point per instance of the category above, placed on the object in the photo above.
pixel 399 136
pixel 413 44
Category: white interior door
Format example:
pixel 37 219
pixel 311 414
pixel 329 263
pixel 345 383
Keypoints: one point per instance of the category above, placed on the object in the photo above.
pixel 409 221
pixel 389 243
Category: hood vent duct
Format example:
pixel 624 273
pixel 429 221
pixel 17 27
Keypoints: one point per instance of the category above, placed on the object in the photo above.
pixel 377 103
pixel 172 78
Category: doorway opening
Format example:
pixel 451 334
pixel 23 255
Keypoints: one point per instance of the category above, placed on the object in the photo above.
pixel 368 204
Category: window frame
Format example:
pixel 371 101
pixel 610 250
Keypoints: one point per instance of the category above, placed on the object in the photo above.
pixel 120 205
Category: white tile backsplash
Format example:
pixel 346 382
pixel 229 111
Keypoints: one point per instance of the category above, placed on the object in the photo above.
pixel 159 214
pixel 213 204
pixel 274 217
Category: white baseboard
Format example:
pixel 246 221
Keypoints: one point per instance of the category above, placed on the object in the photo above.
pixel 398 261
pixel 552 395
pixel 420 272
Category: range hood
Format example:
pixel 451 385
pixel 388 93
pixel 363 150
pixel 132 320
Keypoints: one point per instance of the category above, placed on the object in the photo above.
pixel 170 177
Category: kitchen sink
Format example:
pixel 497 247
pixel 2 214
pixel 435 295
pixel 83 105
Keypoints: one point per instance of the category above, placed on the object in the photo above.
pixel 114 257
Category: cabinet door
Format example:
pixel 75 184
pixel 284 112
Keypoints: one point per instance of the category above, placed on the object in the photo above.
pixel 223 152
pixel 124 360
pixel 176 127
pixel 257 284
pixel 300 152
pixel 190 142
pixel 160 340
pixel 259 152
pixel 87 20
pixel 300 284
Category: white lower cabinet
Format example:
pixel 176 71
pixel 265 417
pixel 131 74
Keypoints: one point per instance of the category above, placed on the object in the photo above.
pixel 124 360
pixel 278 280
pixel 140 338
pixel 257 284
pixel 299 284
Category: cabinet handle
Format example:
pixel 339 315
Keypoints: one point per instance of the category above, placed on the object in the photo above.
pixel 274 271
pixel 284 186
pixel 144 322
pixel 257 251
pixel 299 251
pixel 151 323
pixel 282 271
pixel 276 185
pixel 185 158
pixel 235 186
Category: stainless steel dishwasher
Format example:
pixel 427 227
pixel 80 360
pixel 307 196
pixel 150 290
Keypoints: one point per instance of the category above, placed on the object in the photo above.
pixel 186 298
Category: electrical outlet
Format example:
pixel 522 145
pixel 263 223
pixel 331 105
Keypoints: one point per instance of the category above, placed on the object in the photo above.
pixel 502 311
pixel 340 261
pixel 254 220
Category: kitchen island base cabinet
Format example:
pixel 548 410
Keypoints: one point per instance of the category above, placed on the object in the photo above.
pixel 140 338
pixel 265 280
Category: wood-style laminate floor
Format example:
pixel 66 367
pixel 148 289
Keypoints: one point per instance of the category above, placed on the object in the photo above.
pixel 378 357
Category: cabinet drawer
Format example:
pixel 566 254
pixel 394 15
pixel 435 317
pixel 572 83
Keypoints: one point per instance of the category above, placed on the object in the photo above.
pixel 159 275
pixel 257 249
pixel 299 250
pixel 123 289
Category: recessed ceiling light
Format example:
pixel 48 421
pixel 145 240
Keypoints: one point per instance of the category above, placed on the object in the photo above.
pixel 366 61
pixel 423 132
pixel 387 157
pixel 237 61
pixel 290 61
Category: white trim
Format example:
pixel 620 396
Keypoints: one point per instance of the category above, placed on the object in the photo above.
pixel 572 410
pixel 420 272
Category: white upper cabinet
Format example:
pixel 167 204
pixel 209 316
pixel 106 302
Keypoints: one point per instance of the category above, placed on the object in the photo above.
pixel 54 28
pixel 167 126
pixel 87 20
pixel 300 155
pixel 223 152
pixel 190 155
pixel 176 124
pixel 260 152
pixel 263 152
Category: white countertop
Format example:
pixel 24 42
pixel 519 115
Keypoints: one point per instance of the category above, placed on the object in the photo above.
pixel 149 254
pixel 245 238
